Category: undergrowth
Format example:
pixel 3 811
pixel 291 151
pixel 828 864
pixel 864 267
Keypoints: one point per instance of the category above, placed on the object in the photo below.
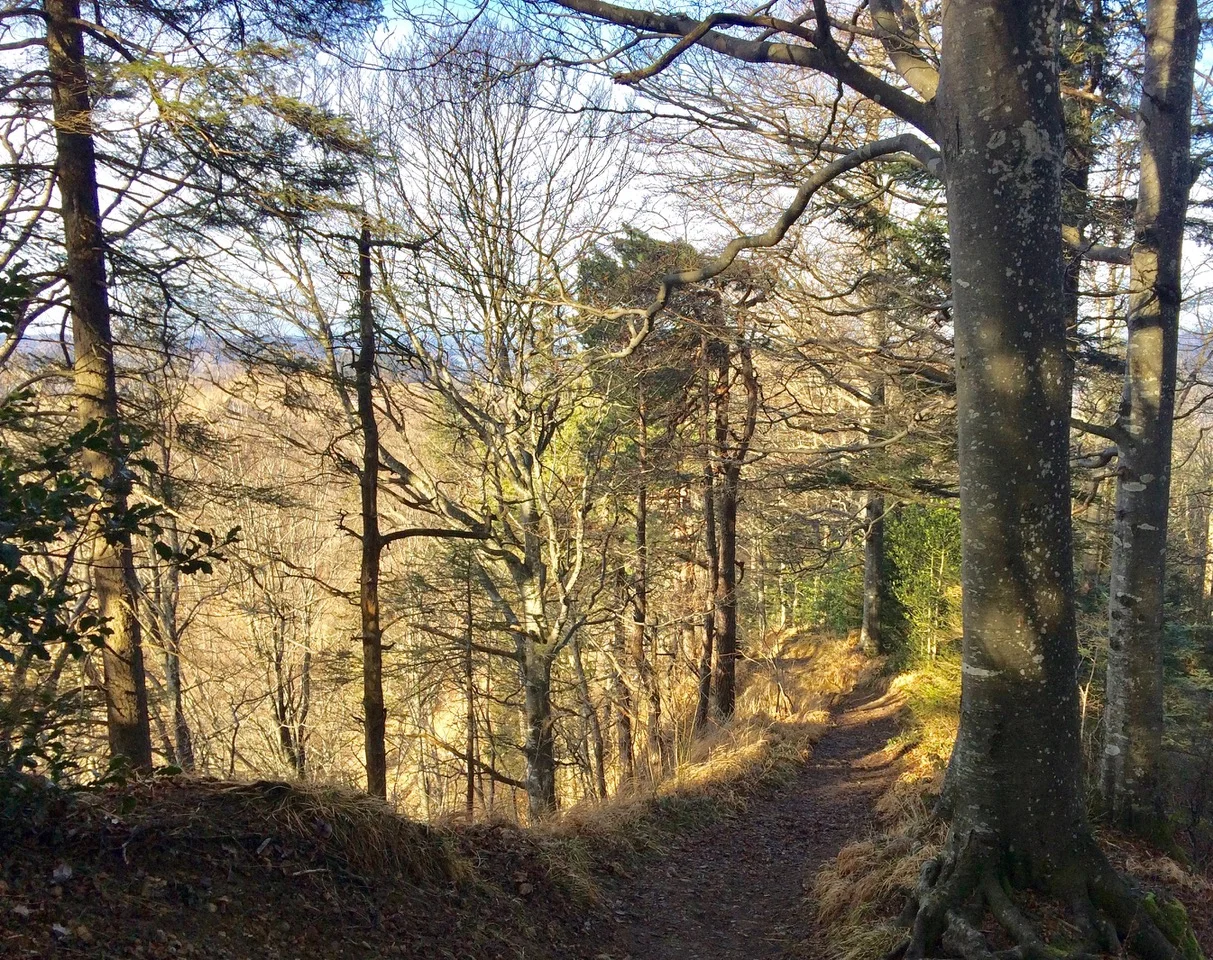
pixel 306 866
pixel 858 896
pixel 783 707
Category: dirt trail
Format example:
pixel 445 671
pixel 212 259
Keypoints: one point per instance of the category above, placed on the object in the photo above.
pixel 735 890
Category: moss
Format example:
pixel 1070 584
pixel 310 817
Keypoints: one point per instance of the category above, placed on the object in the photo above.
pixel 1172 919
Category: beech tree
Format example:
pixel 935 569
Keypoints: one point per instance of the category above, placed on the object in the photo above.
pixel 1133 716
pixel 991 103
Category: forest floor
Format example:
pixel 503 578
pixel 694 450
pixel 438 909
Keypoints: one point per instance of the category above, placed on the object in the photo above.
pixel 735 890
pixel 184 867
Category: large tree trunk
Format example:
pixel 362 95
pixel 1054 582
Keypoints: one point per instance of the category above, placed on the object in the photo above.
pixel 113 569
pixel 374 712
pixel 539 747
pixel 1133 717
pixel 1013 788
pixel 1011 775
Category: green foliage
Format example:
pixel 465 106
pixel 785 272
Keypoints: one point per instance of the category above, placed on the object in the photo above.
pixel 922 544
pixel 836 597
pixel 44 499
pixel 44 503
pixel 49 509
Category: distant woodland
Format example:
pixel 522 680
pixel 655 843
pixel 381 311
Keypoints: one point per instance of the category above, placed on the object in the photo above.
pixel 446 402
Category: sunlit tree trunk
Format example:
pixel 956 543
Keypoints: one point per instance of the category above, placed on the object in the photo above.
pixel 373 710
pixel 113 569
pixel 645 674
pixel 1013 780
pixel 710 545
pixel 732 446
pixel 870 639
pixel 1133 716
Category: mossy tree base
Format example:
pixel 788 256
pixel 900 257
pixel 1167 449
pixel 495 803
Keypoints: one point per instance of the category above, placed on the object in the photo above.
pixel 969 877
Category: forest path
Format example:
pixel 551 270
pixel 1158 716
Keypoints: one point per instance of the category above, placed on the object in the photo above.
pixel 735 890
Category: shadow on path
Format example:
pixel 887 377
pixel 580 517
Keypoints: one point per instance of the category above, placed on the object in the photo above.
pixel 735 890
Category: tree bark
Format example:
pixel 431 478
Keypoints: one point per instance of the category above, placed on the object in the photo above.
pixel 539 746
pixel 1133 716
pixel 374 712
pixel 591 727
pixel 732 447
pixel 113 568
pixel 870 638
pixel 640 600
pixel 1012 777
pixel 726 593
pixel 469 692
pixel 710 545
pixel 622 695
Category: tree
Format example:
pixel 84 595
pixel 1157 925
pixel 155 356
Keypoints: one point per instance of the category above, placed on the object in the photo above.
pixel 1133 716
pixel 113 564
pixel 1013 794
pixel 87 247
pixel 507 212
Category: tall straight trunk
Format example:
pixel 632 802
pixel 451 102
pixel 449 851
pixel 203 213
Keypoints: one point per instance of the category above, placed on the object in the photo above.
pixel 710 545
pixel 732 444
pixel 725 511
pixel 1206 579
pixel 113 568
pixel 1133 716
pixel 1014 775
pixel 874 587
pixel 726 592
pixel 469 691
pixel 621 697
pixel 166 594
pixel 640 598
pixel 870 639
pixel 374 713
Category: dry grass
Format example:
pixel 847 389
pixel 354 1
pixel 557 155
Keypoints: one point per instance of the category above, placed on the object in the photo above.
pixel 786 691
pixel 858 894
pixel 346 828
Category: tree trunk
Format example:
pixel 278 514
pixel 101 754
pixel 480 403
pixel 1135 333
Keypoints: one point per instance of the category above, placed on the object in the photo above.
pixel 726 593
pixel 732 447
pixel 710 545
pixel 1206 579
pixel 622 698
pixel 1013 791
pixel 1133 716
pixel 1011 775
pixel 539 747
pixel 469 692
pixel 113 568
pixel 870 639
pixel 592 729
pixel 640 600
pixel 374 713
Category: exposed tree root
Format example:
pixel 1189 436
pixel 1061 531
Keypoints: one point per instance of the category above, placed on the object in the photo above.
pixel 954 891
